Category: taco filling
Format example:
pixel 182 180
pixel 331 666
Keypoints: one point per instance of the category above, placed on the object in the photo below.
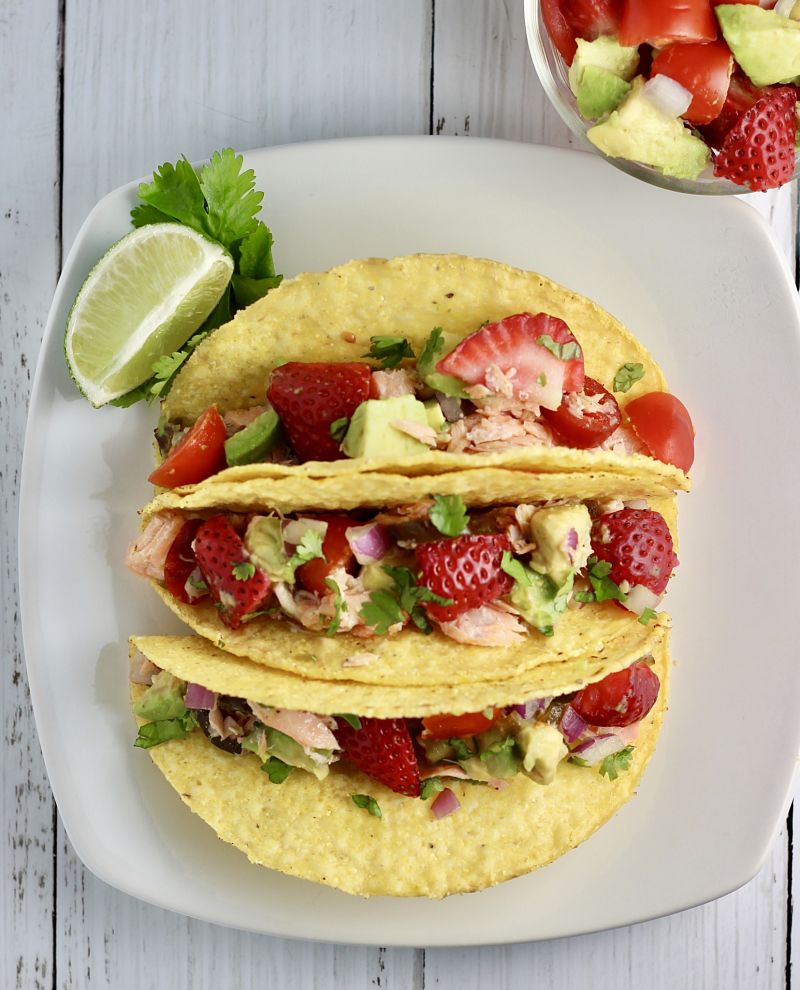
pixel 485 577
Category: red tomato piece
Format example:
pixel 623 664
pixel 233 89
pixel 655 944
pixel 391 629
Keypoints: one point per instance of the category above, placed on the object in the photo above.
pixel 338 553
pixel 561 34
pixel 584 428
pixel 589 19
pixel 664 426
pixel 742 95
pixel 660 21
pixel 181 561
pixel 702 68
pixel 456 726
pixel 198 455
pixel 619 699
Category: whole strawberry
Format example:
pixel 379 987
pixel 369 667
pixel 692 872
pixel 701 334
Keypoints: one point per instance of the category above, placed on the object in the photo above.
pixel 466 569
pixel 310 398
pixel 758 150
pixel 233 581
pixel 638 545
pixel 382 749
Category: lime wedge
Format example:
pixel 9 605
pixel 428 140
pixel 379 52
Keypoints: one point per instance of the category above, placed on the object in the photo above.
pixel 144 298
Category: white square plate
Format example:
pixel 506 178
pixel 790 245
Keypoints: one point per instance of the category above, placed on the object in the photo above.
pixel 701 283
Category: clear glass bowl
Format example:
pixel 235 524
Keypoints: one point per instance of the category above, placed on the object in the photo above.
pixel 552 72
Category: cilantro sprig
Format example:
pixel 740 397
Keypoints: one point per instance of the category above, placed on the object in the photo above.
pixel 386 607
pixel 276 769
pixel 390 351
pixel 613 765
pixel 339 604
pixel 243 571
pixel 627 376
pixel 309 548
pixel 604 589
pixel 449 514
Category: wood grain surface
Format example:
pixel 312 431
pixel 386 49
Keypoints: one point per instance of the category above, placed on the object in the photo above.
pixel 93 93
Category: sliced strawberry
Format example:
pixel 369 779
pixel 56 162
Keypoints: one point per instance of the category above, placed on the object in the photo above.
pixel 538 352
pixel 638 545
pixel 310 397
pixel 181 561
pixel 466 569
pixel 758 151
pixel 236 584
pixel 741 95
pixel 382 749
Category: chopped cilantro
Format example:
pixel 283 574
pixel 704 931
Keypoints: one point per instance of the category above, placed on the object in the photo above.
pixel 309 548
pixel 276 769
pixel 460 748
pixel 613 765
pixel 627 375
pixel 565 352
pixel 381 611
pixel 604 588
pixel 515 569
pixel 352 720
pixel 339 604
pixel 390 351
pixel 243 571
pixel 426 367
pixel 155 733
pixel 647 615
pixel 338 428
pixel 448 514
pixel 365 801
pixel 200 585
pixel 498 747
pixel 584 596
pixel 388 606
pixel 579 760
pixel 429 787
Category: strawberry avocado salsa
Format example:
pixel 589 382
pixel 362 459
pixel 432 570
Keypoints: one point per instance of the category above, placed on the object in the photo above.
pixel 519 382
pixel 484 577
pixel 688 88
pixel 596 728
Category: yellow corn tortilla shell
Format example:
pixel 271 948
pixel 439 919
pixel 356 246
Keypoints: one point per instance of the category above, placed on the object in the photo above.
pixel 193 658
pixel 330 316
pixel 311 829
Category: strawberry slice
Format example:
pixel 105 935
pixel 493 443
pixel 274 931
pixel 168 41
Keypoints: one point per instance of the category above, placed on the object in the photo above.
pixel 638 545
pixel 538 352
pixel 234 582
pixel 466 569
pixel 310 397
pixel 758 151
pixel 382 749
pixel 181 562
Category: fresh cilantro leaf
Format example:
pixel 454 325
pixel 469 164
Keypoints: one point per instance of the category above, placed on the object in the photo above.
pixel 579 761
pixel 647 615
pixel 231 197
pixel 613 765
pixel 429 787
pixel 461 750
pixel 129 398
pixel 390 351
pixel 200 585
pixel 585 597
pixel 604 588
pixel 338 428
pixel 386 607
pixel 426 367
pixel 243 571
pixel 515 569
pixel 448 514
pixel 144 214
pixel 155 733
pixel 381 611
pixel 352 720
pixel 627 375
pixel 174 191
pixel 248 290
pixel 276 769
pixel 255 254
pixel 565 352
pixel 339 604
pixel 309 548
pixel 365 801
pixel 498 747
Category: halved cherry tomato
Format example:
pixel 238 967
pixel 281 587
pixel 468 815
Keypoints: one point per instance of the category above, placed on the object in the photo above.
pixel 704 69
pixel 660 21
pixel 742 94
pixel 337 554
pixel 456 726
pixel 585 429
pixel 619 699
pixel 181 561
pixel 664 426
pixel 561 34
pixel 591 18
pixel 199 454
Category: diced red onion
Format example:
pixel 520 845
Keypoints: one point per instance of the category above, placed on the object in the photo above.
pixel 369 543
pixel 294 530
pixel 450 406
pixel 444 804
pixel 593 751
pixel 531 708
pixel 667 95
pixel 639 598
pixel 199 698
pixel 571 724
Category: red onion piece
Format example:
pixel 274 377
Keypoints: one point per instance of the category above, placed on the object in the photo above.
pixel 198 697
pixel 444 804
pixel 369 543
pixel 531 708
pixel 571 724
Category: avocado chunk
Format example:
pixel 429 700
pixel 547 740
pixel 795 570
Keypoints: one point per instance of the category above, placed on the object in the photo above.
pixel 540 601
pixel 266 742
pixel 163 699
pixel 437 345
pixel 255 441
pixel 639 131
pixel 435 415
pixel 498 753
pixel 765 44
pixel 561 534
pixel 543 748
pixel 263 540
pixel 371 433
pixel 600 75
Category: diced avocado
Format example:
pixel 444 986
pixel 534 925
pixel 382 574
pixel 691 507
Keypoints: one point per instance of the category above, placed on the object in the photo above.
pixel 543 748
pixel 263 540
pixel 375 578
pixel 561 534
pixel 163 699
pixel 764 43
pixel 435 415
pixel 266 742
pixel 371 433
pixel 437 346
pixel 639 131
pixel 600 74
pixel 255 441
pixel 540 602
pixel 498 753
pixel 437 750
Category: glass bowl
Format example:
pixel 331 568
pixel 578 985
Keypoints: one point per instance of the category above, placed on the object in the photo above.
pixel 552 72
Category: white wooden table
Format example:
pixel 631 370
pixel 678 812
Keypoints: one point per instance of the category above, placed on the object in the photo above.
pixel 94 93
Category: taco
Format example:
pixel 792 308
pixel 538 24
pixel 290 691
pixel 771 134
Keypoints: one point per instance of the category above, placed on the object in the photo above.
pixel 420 365
pixel 411 805
pixel 440 590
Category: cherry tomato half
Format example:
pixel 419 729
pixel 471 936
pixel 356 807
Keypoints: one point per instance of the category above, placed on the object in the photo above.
pixel 742 94
pixel 660 21
pixel 338 553
pixel 583 429
pixel 198 455
pixel 704 69
pixel 456 726
pixel 664 426
pixel 181 561
pixel 561 34
pixel 619 699
pixel 591 18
